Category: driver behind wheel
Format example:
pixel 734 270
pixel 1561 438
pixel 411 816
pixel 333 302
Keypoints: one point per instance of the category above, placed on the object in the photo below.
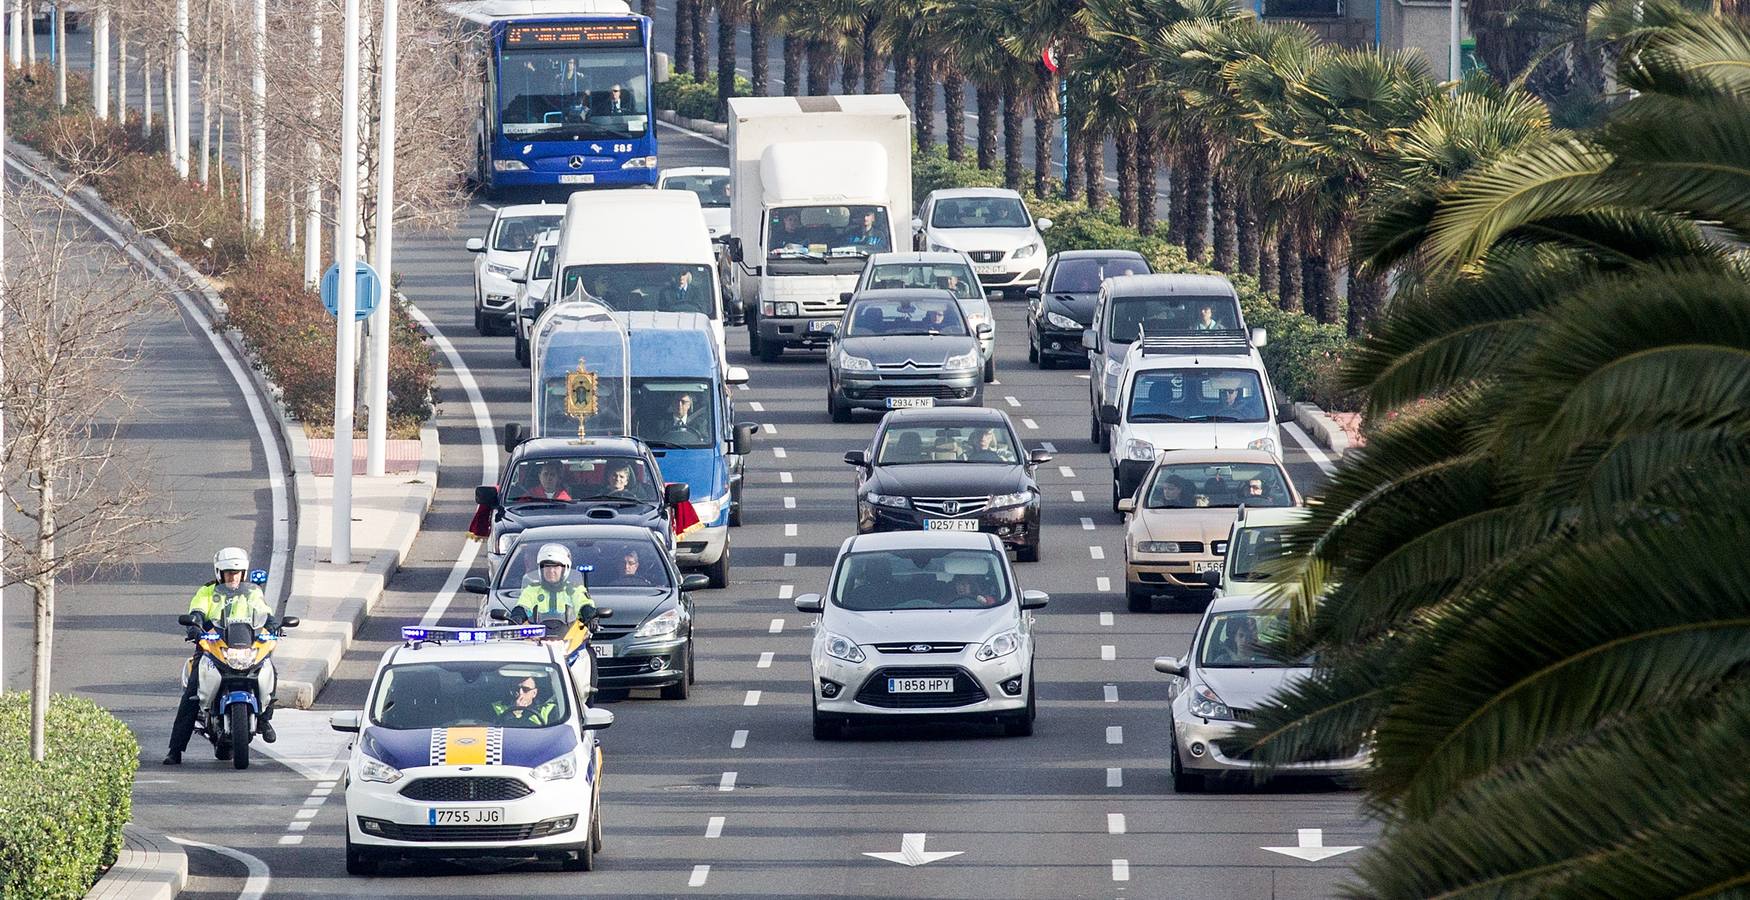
pixel 525 704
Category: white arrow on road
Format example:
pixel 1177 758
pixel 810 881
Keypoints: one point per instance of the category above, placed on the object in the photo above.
pixel 1312 846
pixel 912 852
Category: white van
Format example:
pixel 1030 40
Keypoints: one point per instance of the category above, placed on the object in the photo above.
pixel 639 250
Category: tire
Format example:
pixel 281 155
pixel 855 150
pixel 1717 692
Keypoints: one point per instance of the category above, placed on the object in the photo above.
pixel 1183 782
pixel 840 413
pixel 238 720
pixel 718 571
pixel 692 669
pixel 826 728
pixel 1137 598
pixel 735 506
pixel 522 351
pixel 359 862
pixel 753 339
pixel 1021 723
pixel 1033 352
pixel 1116 495
pixel 1047 361
pixel 480 320
pixel 1030 552
pixel 990 370
pixel 769 351
pixel 584 860
pixel 595 821
pixel 682 689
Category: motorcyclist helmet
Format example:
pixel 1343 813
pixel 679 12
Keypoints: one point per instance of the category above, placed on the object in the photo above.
pixel 230 559
pixel 554 554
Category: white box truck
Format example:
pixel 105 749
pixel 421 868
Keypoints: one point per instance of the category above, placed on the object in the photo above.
pixel 817 184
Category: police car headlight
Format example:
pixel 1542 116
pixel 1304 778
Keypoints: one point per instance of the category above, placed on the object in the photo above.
pixel 639 162
pixel 844 648
pixel 662 624
pixel 509 165
pixel 1064 322
pixel 1001 645
pixel 1268 445
pixel 556 769
pixel 1139 449
pixel 239 657
pixel 372 770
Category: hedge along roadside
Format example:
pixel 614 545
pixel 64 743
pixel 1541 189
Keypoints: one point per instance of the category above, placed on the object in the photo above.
pixel 283 324
pixel 695 100
pixel 61 820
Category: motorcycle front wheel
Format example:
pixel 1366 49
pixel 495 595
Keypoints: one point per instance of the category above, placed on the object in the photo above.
pixel 240 734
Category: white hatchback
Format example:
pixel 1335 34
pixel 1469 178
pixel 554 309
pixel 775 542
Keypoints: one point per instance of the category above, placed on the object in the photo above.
pixel 922 625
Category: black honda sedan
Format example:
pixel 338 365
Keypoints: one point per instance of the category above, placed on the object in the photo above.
pixel 950 470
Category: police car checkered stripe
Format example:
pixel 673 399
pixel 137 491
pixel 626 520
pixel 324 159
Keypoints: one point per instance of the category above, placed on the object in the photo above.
pixel 495 746
pixel 439 740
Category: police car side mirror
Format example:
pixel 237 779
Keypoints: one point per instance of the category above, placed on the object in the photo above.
pixel 347 721
pixel 595 719
pixel 1108 414
pixel 474 584
pixel 486 495
pixel 675 493
pixel 809 603
pixel 1034 599
pixel 694 581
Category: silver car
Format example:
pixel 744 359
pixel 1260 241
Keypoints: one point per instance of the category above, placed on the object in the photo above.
pixel 1218 684
pixel 922 625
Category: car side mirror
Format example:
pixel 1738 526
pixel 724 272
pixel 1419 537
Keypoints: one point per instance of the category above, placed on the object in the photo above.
pixel 735 375
pixel 1044 224
pixel 486 495
pixel 845 296
pixel 1032 293
pixel 1126 504
pixel 1260 337
pixel 1170 665
pixel 514 434
pixel 291 622
pixel 475 245
pixel 695 581
pixel 595 718
pixel 1038 457
pixel 600 612
pixel 809 603
pixel 676 492
pixel 1108 414
pixel 474 584
pixel 346 721
pixel 498 615
pixel 743 443
pixel 917 225
pixel 1034 599
pixel 519 278
pixel 1089 340
pixel 532 312
pixel 985 330
pixel 831 330
pixel 1284 414
pixel 187 620
pixel 734 245
pixel 1211 579
pixel 858 458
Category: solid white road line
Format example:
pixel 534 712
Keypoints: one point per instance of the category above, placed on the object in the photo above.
pixel 1097 552
pixel 714 827
pixel 1312 449
pixel 1106 619
pixel 1103 583
pixel 1114 734
pixel 727 782
pixel 753 699
pixel 700 873
pixel 777 626
pixel 1115 823
pixel 1111 691
pixel 765 661
pixel 1121 870
pixel 1108 652
pixel 255 883
pixel 1114 777
pixel 739 739
pixel 1077 497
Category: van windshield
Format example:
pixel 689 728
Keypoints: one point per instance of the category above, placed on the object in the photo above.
pixel 1131 316
pixel 646 287
pixel 1197 395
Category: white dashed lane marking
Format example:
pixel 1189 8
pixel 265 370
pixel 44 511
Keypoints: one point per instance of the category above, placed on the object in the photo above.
pixel 787 591
pixel 1077 497
pixel 714 827
pixel 1121 870
pixel 755 406
pixel 1114 734
pixel 790 529
pixel 765 661
pixel 1087 524
pixel 1114 777
pixel 789 559
pixel 1066 471
pixel 753 699
pixel 1031 425
pixel 739 739
pixel 769 428
pixel 1114 823
pixel 1097 552
pixel 1048 446
pixel 777 626
pixel 1108 652
pixel 1111 693
pixel 785 478
pixel 727 782
pixel 1106 619
pixel 1103 583
pixel 780 452
pixel 789 502
pixel 1011 401
pixel 700 873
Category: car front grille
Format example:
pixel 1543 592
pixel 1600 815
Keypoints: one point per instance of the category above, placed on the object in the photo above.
pixel 881 391
pixel 986 256
pixel 909 367
pixel 966 689
pixel 465 789
pixel 604 633
pixel 833 308
pixel 904 649
pixel 437 834
pixel 951 506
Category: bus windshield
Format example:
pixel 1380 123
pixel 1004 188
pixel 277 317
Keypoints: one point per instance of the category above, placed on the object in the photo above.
pixel 547 94
pixel 646 287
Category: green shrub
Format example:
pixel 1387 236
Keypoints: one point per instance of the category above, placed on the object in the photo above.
pixel 692 99
pixel 61 820
pixel 934 171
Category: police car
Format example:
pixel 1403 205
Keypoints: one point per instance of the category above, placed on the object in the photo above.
pixel 473 742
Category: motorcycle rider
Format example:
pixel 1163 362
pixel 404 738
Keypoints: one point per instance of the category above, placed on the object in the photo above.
pixel 553 595
pixel 227 598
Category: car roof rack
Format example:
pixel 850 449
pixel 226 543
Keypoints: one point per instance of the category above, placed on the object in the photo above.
pixel 415 635
pixel 1223 341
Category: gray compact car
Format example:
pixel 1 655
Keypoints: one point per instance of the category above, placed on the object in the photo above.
pixel 904 349
pixel 1218 684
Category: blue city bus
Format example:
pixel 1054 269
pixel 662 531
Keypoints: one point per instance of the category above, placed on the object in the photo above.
pixel 565 93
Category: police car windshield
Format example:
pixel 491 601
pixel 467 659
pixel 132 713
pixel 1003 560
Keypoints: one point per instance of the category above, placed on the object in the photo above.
pixel 469 693
pixel 923 579
pixel 596 562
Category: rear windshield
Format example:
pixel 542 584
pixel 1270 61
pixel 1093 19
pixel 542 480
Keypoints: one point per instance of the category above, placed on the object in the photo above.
pixel 955 278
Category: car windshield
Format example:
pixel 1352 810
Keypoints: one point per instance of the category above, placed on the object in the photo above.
pixel 907 444
pixel 955 278
pixel 931 578
pixel 1197 395
pixel 518 233
pixel 827 232
pixel 1083 275
pixel 581 479
pixel 1194 485
pixel 1131 316
pixel 979 212
pixel 469 693
pixel 1238 640
pixel 674 412
pixel 549 95
pixel 871 317
pixel 712 190
pixel 1257 553
pixel 646 287
pixel 595 563
pixel 543 267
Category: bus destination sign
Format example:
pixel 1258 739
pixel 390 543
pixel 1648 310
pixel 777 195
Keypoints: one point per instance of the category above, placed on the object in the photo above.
pixel 573 34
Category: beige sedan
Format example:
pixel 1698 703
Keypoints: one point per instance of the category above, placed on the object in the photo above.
pixel 1179 518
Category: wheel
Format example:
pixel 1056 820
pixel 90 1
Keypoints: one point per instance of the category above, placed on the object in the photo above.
pixel 582 860
pixel 595 821
pixel 479 319
pixel 735 506
pixel 1138 598
pixel 681 689
pixel 522 351
pixel 692 670
pixel 990 370
pixel 238 715
pixel 1116 494
pixel 753 337
pixel 358 862
pixel 1047 361
pixel 1097 432
pixel 1021 723
pixel 769 351
pixel 1029 552
pixel 826 728
pixel 1183 782
pixel 840 413
pixel 1033 352
pixel 718 571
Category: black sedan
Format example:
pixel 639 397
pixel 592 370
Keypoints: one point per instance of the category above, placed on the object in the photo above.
pixel 646 641
pixel 1063 303
pixel 904 349
pixel 950 470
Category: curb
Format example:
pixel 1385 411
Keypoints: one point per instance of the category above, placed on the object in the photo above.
pixel 1322 428
pixel 150 867
pixel 704 127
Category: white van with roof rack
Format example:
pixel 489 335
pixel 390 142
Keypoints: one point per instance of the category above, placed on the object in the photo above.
pixel 1204 390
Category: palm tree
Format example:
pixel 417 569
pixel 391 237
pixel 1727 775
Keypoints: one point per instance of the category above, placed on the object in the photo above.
pixel 758 66
pixel 969 31
pixel 728 15
pixel 683 34
pixel 821 28
pixel 701 12
pixel 1577 353
pixel 793 47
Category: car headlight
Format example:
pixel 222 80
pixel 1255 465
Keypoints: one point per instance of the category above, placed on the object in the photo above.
pixel 509 165
pixel 556 769
pixel 940 248
pixel 1266 444
pixel 967 360
pixel 502 271
pixel 1001 645
pixel 1139 449
pixel 373 770
pixel 886 500
pixel 1157 546
pixel 1206 704
pixel 504 542
pixel 837 645
pixel 1113 367
pixel 1015 499
pixel 1219 548
pixel 662 624
pixel 639 162
pixel 1026 251
pixel 849 363
pixel 239 657
pixel 780 308
pixel 710 508
pixel 1065 322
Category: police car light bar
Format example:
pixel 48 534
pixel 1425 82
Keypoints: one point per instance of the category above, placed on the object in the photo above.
pixel 417 634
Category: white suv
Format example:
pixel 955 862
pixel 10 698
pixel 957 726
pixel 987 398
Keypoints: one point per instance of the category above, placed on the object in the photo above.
pixel 502 255
pixel 473 742
pixel 991 225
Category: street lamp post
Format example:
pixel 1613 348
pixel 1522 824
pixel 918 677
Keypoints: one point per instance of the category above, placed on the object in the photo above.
pixel 346 257
pixel 376 438
pixel 1452 44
